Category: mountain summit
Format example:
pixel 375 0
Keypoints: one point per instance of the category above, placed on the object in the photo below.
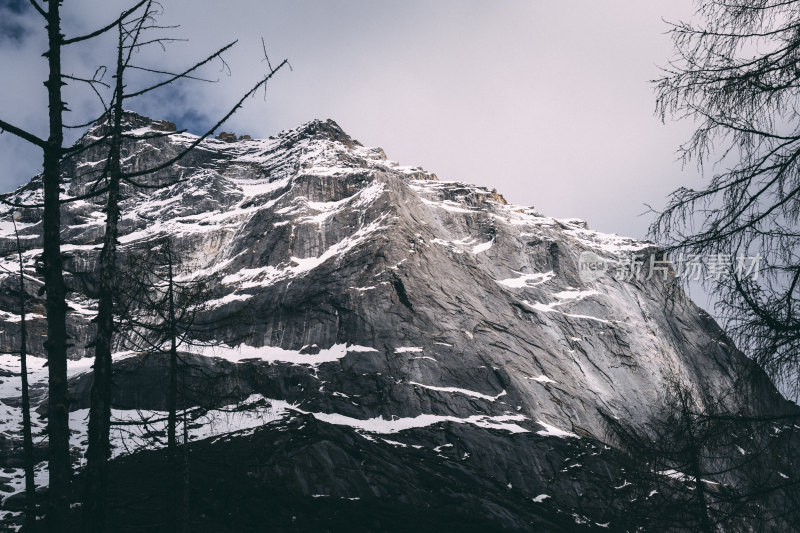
pixel 415 353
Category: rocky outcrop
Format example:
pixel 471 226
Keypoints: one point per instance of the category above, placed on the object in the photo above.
pixel 228 137
pixel 163 125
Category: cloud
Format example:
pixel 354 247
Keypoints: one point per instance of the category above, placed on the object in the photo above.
pixel 547 102
pixel 13 24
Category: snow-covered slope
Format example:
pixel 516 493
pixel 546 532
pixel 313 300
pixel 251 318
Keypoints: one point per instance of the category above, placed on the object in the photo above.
pixel 408 311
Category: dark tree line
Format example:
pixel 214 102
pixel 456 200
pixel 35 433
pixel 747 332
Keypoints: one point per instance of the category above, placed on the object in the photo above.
pixel 163 310
pixel 701 464
pixel 130 26
pixel 736 76
pixel 160 303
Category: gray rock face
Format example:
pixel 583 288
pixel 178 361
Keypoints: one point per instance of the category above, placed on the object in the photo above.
pixel 375 299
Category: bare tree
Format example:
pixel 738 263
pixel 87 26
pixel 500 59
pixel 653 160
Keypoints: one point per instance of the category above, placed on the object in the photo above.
pixel 130 39
pixel 56 305
pixel 162 304
pixel 96 472
pixel 56 308
pixel 27 430
pixel 736 76
pixel 699 465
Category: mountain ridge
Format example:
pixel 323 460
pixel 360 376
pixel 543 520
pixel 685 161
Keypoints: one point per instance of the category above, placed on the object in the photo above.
pixel 389 306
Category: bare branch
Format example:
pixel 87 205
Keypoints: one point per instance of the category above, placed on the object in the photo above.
pixel 38 8
pixel 167 73
pixel 210 132
pixel 104 29
pixel 159 41
pixel 22 134
pixel 183 74
pixel 266 56
pixel 97 192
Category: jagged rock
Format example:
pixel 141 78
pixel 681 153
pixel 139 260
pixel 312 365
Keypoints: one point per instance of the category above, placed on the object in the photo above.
pixel 164 125
pixel 227 137
pixel 499 197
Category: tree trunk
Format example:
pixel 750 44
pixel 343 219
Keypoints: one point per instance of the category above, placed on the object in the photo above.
pixel 184 519
pixel 172 399
pixel 98 452
pixel 695 448
pixel 60 468
pixel 700 492
pixel 27 435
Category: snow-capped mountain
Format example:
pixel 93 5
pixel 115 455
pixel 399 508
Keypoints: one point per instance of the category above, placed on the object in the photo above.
pixel 411 345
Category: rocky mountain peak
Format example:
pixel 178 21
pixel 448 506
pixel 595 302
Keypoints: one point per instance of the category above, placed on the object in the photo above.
pixel 407 332
pixel 131 120
pixel 326 129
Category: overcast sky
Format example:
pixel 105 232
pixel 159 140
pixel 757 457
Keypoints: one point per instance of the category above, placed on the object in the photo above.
pixel 549 102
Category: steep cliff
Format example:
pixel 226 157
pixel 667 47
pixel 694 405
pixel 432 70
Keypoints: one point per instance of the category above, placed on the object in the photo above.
pixel 388 340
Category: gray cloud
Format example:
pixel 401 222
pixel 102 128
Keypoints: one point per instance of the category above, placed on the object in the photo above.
pixel 548 102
